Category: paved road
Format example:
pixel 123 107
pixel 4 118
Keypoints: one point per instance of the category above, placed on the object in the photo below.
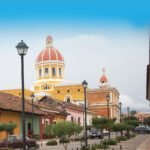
pixel 71 146
pixel 140 142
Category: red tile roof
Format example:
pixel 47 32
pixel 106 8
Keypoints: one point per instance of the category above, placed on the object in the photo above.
pixel 14 103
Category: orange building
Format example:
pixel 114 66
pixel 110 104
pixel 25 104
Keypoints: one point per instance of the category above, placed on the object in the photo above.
pixel 104 101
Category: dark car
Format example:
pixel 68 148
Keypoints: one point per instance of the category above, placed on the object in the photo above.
pixel 142 129
pixel 15 141
pixel 94 133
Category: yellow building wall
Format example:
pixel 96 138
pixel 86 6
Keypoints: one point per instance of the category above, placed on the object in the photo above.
pixel 62 92
pixel 17 92
pixel 8 116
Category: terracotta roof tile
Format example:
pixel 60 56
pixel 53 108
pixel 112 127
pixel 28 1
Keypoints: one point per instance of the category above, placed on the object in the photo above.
pixel 14 103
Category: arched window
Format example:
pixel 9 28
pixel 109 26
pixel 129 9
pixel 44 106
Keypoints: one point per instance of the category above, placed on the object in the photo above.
pixel 46 71
pixel 53 71
pixel 59 71
pixel 68 100
pixel 40 72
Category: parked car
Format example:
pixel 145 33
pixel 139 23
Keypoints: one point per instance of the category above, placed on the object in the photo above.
pixel 142 129
pixel 105 132
pixel 16 141
pixel 94 133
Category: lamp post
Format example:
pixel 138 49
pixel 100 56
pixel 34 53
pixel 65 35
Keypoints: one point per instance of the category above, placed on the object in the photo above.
pixel 120 104
pixel 84 84
pixel 108 99
pixel 22 49
pixel 128 110
pixel 32 98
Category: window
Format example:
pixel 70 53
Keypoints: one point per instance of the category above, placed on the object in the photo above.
pixel 59 71
pixel 46 87
pixel 53 72
pixel 40 72
pixel 78 120
pixel 46 71
pixel 71 118
pixel 68 100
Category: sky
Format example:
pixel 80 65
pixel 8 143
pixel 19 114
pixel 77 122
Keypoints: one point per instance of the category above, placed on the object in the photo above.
pixel 90 34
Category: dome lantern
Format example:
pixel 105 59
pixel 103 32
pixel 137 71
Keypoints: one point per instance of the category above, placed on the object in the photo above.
pixel 49 41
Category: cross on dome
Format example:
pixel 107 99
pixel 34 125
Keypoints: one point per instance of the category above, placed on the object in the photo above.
pixel 49 41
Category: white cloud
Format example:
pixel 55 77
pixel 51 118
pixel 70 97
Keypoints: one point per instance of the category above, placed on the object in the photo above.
pixel 123 53
pixel 134 104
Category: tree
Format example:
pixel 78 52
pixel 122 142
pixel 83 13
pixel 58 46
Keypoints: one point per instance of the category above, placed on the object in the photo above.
pixel 103 123
pixel 133 112
pixel 119 127
pixel 8 127
pixel 64 130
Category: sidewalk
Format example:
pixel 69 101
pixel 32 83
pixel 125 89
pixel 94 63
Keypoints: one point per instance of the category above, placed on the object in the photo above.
pixel 145 145
pixel 140 142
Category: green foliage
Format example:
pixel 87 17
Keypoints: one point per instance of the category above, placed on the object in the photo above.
pixel 102 145
pixel 53 142
pixel 130 118
pixel 118 127
pixel 94 147
pixel 8 127
pixel 65 128
pixel 122 138
pixel 109 142
pixel 48 130
pixel 133 112
pixel 63 140
pixel 1 127
pixel 102 123
pixel 85 148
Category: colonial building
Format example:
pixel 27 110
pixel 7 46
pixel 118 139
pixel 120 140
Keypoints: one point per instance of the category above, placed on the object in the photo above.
pixel 49 67
pixel 11 111
pixel 104 101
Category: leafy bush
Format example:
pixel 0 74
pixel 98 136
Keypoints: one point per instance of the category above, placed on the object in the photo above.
pixel 109 142
pixel 102 146
pixel 53 142
pixel 94 147
pixel 64 140
pixel 85 148
pixel 122 138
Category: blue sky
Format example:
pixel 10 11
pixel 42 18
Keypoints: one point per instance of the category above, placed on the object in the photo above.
pixel 111 34
pixel 87 12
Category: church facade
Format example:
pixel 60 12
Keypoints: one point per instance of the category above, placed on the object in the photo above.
pixel 104 101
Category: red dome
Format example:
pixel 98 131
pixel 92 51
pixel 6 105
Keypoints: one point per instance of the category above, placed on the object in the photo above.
pixel 103 79
pixel 49 53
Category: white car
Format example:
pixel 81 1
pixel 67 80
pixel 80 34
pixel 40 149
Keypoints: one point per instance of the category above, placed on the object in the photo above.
pixel 105 132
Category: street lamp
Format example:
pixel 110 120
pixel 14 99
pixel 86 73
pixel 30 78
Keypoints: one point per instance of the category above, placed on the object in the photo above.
pixel 22 49
pixel 108 99
pixel 128 110
pixel 120 104
pixel 84 84
pixel 32 98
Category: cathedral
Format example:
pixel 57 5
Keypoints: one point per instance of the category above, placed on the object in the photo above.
pixel 50 67
pixel 50 81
